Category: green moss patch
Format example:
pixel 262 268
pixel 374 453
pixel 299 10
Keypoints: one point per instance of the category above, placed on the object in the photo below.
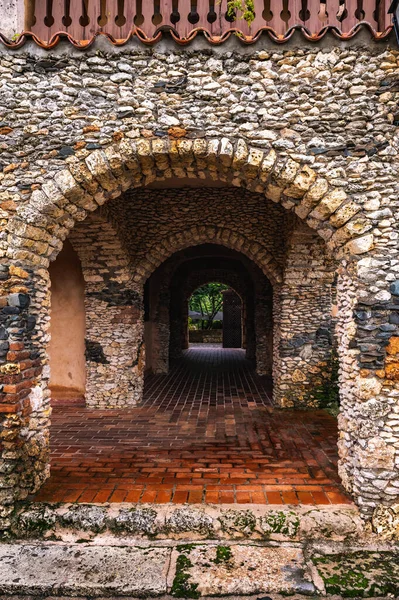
pixel 281 522
pixel 360 574
pixel 182 587
pixel 223 555
pixel 238 522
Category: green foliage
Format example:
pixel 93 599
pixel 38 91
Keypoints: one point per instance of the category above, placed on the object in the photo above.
pixel 207 300
pixel 247 7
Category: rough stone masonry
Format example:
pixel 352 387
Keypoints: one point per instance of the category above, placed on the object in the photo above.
pixel 307 136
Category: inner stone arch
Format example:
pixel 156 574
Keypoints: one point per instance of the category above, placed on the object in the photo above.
pixel 171 285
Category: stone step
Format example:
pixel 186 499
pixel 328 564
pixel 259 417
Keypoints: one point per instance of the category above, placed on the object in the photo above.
pixel 188 571
pixel 195 570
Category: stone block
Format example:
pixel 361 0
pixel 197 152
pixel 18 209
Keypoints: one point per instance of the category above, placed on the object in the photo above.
pixel 83 570
pixel 240 570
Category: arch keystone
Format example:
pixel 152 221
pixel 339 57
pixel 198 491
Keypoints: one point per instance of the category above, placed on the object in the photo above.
pixel 83 176
pixel 226 152
pixel 286 172
pixel 268 165
pixel 312 197
pixel 254 161
pixel 302 182
pixel 69 187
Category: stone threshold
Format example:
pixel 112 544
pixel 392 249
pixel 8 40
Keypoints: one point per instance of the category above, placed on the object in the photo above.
pixel 194 551
pixel 196 570
pixel 111 522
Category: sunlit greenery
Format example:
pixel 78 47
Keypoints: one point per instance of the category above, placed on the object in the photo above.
pixel 208 301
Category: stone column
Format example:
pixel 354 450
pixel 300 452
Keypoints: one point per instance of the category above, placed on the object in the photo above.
pixel 24 397
pixel 115 351
pixel 160 330
pixel 179 338
pixel 368 344
pixel 303 328
pixel 264 328
pixel 114 306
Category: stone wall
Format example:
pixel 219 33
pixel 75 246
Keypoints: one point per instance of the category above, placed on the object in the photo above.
pixel 114 328
pixel 158 219
pixel 303 325
pixel 312 129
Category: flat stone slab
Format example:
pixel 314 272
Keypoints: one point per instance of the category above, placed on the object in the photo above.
pixel 239 570
pixel 362 574
pixel 82 570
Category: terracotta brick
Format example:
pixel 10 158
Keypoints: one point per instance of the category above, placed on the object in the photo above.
pixel 159 451
pixel 118 496
pixel 102 496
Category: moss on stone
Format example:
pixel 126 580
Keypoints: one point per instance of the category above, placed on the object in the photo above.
pixel 137 520
pixel 238 521
pixel 182 587
pixel 188 519
pixel 223 555
pixel 36 521
pixel 85 517
pixel 360 575
pixel 281 522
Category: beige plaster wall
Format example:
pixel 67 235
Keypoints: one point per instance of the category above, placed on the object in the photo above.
pixel 67 328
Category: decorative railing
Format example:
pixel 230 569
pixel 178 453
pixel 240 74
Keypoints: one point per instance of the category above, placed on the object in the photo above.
pixel 82 19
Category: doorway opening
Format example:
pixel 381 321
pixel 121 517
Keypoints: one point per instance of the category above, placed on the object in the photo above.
pixel 205 426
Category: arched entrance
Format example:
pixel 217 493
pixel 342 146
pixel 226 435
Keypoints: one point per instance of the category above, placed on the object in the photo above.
pixel 103 175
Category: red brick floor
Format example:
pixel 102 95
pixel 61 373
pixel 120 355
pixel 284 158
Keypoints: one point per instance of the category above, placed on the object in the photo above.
pixel 204 433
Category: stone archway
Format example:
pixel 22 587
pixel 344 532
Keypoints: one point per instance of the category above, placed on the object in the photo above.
pixel 213 235
pixel 197 279
pixel 255 292
pixel 166 328
pixel 368 371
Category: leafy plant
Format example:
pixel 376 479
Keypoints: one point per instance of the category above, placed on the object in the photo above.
pixel 247 7
pixel 207 300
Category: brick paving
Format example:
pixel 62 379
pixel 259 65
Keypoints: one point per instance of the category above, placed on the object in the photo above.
pixel 206 432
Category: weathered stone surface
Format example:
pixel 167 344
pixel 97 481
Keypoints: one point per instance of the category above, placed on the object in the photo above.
pixel 361 574
pixel 361 244
pixel 242 570
pixel 237 522
pixel 86 518
pixel 83 570
pixel 73 522
pixel 189 520
pixel 377 455
pixel 385 521
pixel 137 520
